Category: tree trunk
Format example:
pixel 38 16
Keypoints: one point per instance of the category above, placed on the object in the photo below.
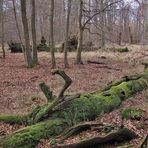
pixel 71 111
pixel 2 27
pixel 102 21
pixel 18 29
pixel 119 38
pixel 67 34
pixel 80 33
pixel 26 34
pixel 53 61
pixel 33 27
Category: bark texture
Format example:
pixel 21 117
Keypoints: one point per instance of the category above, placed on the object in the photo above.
pixel 80 33
pixel 26 34
pixel 67 34
pixel 33 27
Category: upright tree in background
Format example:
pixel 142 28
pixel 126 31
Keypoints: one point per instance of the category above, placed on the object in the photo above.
pixel 26 34
pixel 17 26
pixel 53 61
pixel 2 27
pixel 102 22
pixel 33 27
pixel 80 33
pixel 67 34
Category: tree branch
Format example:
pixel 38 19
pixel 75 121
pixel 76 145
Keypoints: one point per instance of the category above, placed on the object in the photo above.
pixel 49 108
pixel 67 80
pixel 99 13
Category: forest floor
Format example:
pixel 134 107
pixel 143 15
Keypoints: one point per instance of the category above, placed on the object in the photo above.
pixel 19 90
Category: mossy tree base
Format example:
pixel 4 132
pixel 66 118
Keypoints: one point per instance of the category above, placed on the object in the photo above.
pixel 68 112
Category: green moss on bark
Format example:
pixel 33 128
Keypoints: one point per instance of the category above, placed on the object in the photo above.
pixel 13 119
pixel 132 113
pixel 29 136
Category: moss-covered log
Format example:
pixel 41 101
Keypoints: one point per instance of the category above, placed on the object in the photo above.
pixel 29 136
pixel 71 112
pixel 13 119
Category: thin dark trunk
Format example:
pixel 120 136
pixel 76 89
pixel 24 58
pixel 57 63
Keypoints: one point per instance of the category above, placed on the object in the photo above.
pixel 3 46
pixel 52 35
pixel 33 27
pixel 2 27
pixel 102 21
pixel 18 29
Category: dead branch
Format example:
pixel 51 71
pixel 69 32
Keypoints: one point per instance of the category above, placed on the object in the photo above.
pixel 50 107
pixel 100 11
pixel 79 128
pixel 66 78
pixel 103 66
pixel 94 62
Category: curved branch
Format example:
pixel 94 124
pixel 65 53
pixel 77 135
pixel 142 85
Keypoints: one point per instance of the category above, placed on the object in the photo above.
pixel 66 78
pixel 48 109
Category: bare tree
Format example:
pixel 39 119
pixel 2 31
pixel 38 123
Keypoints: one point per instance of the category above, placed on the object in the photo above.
pixel 33 27
pixel 67 34
pixel 102 18
pixel 53 61
pixel 26 34
pixel 17 26
pixel 2 27
pixel 80 33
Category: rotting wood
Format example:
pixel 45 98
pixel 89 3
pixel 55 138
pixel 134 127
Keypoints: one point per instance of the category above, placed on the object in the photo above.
pixel 85 107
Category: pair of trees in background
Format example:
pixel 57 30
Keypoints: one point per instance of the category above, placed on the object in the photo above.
pixel 31 59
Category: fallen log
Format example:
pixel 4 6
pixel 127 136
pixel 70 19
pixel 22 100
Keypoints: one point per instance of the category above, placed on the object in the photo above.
pixel 52 118
pixel 102 65
pixel 95 62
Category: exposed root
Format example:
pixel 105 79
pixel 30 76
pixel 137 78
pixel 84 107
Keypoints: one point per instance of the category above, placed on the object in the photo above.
pixel 79 128
pixel 119 136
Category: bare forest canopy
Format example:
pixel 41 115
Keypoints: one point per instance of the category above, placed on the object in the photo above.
pixel 125 18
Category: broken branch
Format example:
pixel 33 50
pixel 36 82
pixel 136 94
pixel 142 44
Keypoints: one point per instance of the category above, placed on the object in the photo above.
pixel 46 90
pixel 67 79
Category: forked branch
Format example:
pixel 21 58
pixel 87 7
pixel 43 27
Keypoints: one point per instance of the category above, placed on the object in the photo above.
pixel 66 78
pixel 49 108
